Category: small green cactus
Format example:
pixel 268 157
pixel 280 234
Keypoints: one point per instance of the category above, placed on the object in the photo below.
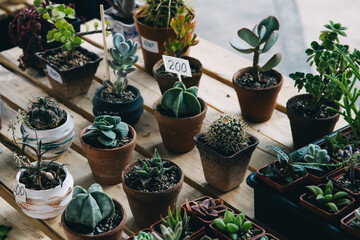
pixel 227 133
pixel 144 236
pixel 355 223
pixel 124 57
pixel 44 113
pixel 316 155
pixel 233 225
pixel 182 101
pixel 89 207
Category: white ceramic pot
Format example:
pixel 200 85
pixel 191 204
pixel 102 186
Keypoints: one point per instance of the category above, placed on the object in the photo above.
pixel 127 30
pixel 56 140
pixel 44 204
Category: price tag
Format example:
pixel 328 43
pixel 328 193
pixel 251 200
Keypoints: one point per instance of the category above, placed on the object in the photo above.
pixel 54 74
pixel 178 66
pixel 19 192
pixel 149 45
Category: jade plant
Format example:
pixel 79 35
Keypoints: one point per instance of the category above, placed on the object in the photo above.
pixel 355 223
pixel 258 41
pixel 181 24
pixel 125 8
pixel 328 199
pixel 182 101
pixel 44 113
pixel 207 208
pixel 124 57
pixel 233 225
pixel 107 129
pixel 89 207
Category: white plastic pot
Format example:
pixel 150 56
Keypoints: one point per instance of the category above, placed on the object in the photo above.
pixel 56 140
pixel 44 204
pixel 127 30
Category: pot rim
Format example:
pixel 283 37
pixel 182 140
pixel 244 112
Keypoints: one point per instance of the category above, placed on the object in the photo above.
pixel 138 95
pixel 121 224
pixel 338 172
pixel 194 60
pixel 131 129
pixel 248 69
pixel 129 167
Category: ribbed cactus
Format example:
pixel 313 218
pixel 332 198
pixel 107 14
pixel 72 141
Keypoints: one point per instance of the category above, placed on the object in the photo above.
pixel 144 236
pixel 89 207
pixel 316 155
pixel 227 133
pixel 182 101
pixel 44 113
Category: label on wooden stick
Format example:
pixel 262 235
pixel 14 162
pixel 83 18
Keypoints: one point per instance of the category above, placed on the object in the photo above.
pixel 54 74
pixel 178 66
pixel 149 45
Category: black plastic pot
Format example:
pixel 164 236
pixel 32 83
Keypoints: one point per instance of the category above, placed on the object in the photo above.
pixel 129 112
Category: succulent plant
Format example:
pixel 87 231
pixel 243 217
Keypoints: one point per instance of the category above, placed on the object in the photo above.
pixel 233 225
pixel 44 113
pixel 173 218
pixel 329 200
pixel 181 24
pixel 227 133
pixel 124 57
pixel 337 142
pixel 170 234
pixel 89 207
pixel 261 39
pixel 144 236
pixel 107 129
pixel 209 207
pixel 125 8
pixel 355 223
pixel 182 101
pixel 316 155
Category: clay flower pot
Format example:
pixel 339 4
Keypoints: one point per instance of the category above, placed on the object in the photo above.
pixel 177 133
pixel 107 164
pixel 147 207
pixel 130 112
pixel 345 225
pixel 224 172
pixel 341 173
pixel 44 204
pixel 115 234
pixel 166 83
pixel 55 141
pixel 307 201
pixel 72 82
pixel 305 130
pixel 152 40
pixel 257 105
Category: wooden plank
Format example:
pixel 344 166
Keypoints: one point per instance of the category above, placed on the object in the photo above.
pixel 3 14
pixel 12 8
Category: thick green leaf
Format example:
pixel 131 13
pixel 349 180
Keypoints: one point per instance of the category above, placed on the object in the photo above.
pixel 271 24
pixel 169 97
pixel 232 228
pixel 193 106
pixel 273 62
pixel 249 37
pixel 240 46
pixel 332 206
pixel 220 224
pixel 118 38
pixel 78 190
pixel 123 48
pixel 271 41
pixel 109 134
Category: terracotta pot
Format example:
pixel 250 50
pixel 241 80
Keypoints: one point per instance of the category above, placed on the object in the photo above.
pixel 115 234
pixel 44 204
pixel 345 225
pixel 281 188
pixel 305 130
pixel 257 105
pixel 224 172
pixel 147 207
pixel 130 112
pixel 177 133
pixel 340 173
pixel 152 40
pixel 307 201
pixel 73 82
pixel 166 83
pixel 321 179
pixel 107 164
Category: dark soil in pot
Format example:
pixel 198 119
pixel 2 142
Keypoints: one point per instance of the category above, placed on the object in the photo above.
pixel 304 107
pixel 128 96
pixel 32 182
pixel 94 142
pixel 345 182
pixel 285 169
pixel 247 81
pixel 63 62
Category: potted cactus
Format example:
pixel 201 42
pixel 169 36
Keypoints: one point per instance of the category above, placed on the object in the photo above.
pixel 225 150
pixel 351 223
pixel 179 114
pixel 108 145
pixel 181 24
pixel 257 87
pixel 119 98
pixel 152 22
pixel 54 127
pixel 151 186
pixel 93 214
pixel 42 188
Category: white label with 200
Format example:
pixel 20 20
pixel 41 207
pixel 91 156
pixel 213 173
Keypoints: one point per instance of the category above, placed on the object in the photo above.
pixel 177 65
pixel 54 74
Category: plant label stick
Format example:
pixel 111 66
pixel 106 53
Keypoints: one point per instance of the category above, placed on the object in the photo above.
pixel 179 66
pixel 104 40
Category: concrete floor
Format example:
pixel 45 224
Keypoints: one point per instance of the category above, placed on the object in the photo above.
pixel 300 23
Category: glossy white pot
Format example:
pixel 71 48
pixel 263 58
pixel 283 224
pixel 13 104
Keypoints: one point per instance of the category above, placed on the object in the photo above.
pixel 56 140
pixel 44 204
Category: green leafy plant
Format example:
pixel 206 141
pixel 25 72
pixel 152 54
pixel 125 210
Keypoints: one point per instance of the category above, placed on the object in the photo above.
pixel 4 231
pixel 316 155
pixel 107 129
pixel 261 39
pixel 182 101
pixel 124 57
pixel 89 207
pixel 227 133
pixel 355 223
pixel 144 236
pixel 233 225
pixel 328 199
pixel 44 113
pixel 174 218
pixel 181 24
pixel 125 8
pixel 338 142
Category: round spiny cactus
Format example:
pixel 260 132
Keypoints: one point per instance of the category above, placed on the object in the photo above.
pixel 44 113
pixel 227 133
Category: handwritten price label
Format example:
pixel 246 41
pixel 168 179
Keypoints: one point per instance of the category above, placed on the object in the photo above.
pixel 178 66
pixel 19 192
pixel 149 45
pixel 54 74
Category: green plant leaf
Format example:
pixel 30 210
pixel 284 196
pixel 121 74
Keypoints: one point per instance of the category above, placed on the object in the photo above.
pixel 249 37
pixel 332 206
pixel 271 24
pixel 220 224
pixel 232 228
pixel 239 46
pixel 271 41
pixel 273 62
